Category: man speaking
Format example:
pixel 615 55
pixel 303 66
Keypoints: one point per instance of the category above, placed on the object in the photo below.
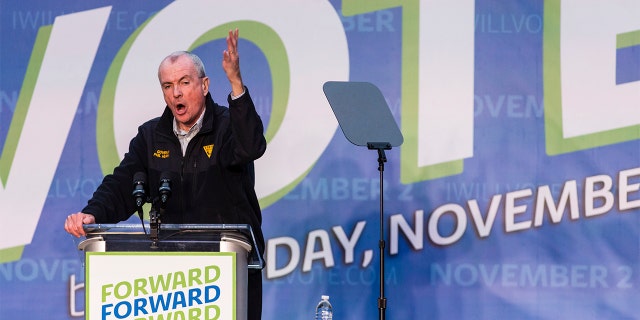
pixel 204 149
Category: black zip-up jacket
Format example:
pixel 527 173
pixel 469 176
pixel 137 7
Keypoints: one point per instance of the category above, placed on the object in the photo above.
pixel 212 183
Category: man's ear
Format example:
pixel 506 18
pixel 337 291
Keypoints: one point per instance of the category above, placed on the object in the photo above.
pixel 205 85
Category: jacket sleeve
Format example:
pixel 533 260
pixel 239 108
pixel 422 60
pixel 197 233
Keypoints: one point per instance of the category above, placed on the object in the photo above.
pixel 247 131
pixel 112 201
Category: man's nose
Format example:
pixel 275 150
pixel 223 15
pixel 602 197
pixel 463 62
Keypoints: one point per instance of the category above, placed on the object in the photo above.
pixel 176 91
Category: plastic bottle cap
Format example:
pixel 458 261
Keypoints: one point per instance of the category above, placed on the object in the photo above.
pixel 325 297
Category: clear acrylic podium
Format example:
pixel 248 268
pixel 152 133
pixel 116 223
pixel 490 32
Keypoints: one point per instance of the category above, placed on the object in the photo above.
pixel 181 238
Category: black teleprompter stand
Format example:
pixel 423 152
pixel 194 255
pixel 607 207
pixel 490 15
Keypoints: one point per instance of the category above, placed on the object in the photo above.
pixel 365 120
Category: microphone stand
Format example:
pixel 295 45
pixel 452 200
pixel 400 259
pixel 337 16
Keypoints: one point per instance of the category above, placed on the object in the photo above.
pixel 154 223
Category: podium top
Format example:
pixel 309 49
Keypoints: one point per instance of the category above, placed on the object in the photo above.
pixel 181 233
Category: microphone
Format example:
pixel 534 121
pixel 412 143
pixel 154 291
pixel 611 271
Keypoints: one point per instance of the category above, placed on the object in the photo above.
pixel 139 181
pixel 165 187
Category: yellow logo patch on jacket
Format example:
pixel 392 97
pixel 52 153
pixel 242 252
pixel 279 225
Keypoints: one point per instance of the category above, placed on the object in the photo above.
pixel 208 149
pixel 162 154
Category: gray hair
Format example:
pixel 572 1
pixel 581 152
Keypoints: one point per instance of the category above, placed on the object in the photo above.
pixel 194 58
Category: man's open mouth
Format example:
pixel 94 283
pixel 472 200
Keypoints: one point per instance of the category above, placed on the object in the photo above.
pixel 180 107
